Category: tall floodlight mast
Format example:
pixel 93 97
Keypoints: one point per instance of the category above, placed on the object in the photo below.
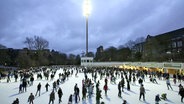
pixel 86 13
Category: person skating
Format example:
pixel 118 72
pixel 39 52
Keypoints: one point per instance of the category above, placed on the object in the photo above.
pixel 168 83
pixel 20 88
pixel 16 77
pixel 98 97
pixel 70 99
pixel 157 99
pixel 84 91
pixel 142 92
pixel 124 102
pixel 54 86
pixel 164 96
pixel 52 97
pixel 77 97
pixel 38 89
pixel 46 86
pixel 140 81
pixel 154 80
pixel 119 89
pixel 31 80
pixel 105 89
pixel 128 85
pixel 24 85
pixel 60 94
pixel 31 98
pixel 181 92
pixel 122 84
pixel 16 101
pixel 106 81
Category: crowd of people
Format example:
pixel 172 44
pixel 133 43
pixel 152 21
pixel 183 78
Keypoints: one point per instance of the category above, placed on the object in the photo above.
pixel 110 76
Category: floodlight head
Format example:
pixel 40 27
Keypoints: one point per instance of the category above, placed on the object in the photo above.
pixel 86 8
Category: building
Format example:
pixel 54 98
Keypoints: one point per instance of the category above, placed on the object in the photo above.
pixel 163 47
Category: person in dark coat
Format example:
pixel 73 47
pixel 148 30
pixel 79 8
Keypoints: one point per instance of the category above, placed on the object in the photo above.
pixel 46 86
pixel 16 101
pixel 70 99
pixel 54 85
pixel 128 85
pixel 140 81
pixel 157 99
pixel 60 94
pixel 31 80
pixel 52 97
pixel 16 77
pixel 124 102
pixel 98 97
pixel 20 88
pixel 24 85
pixel 38 89
pixel 106 81
pixel 181 92
pixel 84 91
pixel 31 98
pixel 77 97
pixel 122 84
pixel 119 89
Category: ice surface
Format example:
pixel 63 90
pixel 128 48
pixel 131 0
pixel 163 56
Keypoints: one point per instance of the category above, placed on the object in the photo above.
pixel 9 91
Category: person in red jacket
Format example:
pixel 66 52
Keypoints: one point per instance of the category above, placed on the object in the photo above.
pixel 105 89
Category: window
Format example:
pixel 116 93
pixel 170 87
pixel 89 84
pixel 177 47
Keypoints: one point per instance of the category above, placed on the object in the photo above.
pixel 179 43
pixel 173 44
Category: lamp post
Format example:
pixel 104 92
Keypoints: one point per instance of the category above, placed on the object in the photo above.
pixel 86 12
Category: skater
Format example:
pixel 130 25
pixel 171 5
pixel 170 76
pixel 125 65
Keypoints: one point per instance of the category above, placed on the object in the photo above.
pixel 98 96
pixel 84 91
pixel 31 80
pixel 122 84
pixel 24 85
pixel 46 86
pixel 142 92
pixel 105 89
pixel 168 83
pixel 181 92
pixel 140 81
pixel 128 85
pixel 119 89
pixel 20 88
pixel 38 89
pixel 31 98
pixel 77 97
pixel 124 102
pixel 164 96
pixel 157 99
pixel 52 97
pixel 180 87
pixel 16 101
pixel 16 77
pixel 60 94
pixel 154 80
pixel 106 81
pixel 70 99
pixel 54 86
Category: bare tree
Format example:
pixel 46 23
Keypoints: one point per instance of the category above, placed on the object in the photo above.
pixel 29 42
pixel 40 43
pixel 130 44
pixel 37 43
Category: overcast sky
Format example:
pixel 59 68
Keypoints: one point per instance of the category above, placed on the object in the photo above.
pixel 111 23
